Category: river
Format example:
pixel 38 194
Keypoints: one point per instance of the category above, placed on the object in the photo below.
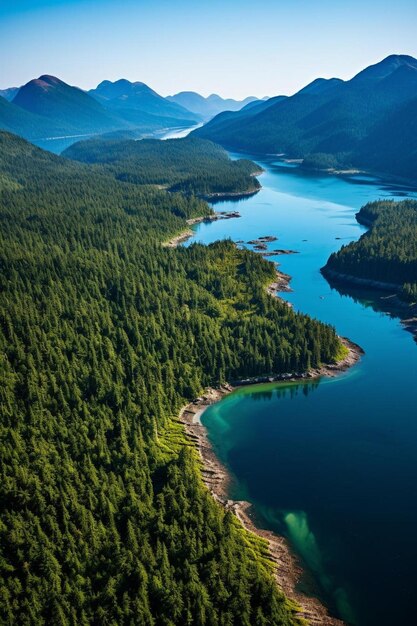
pixel 330 464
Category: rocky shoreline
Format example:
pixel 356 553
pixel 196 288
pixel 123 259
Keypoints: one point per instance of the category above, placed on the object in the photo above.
pixel 187 234
pixel 287 569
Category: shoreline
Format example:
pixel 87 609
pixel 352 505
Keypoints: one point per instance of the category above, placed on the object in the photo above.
pixel 230 195
pixel 409 323
pixel 188 233
pixel 288 571
pixel 350 279
pixel 348 172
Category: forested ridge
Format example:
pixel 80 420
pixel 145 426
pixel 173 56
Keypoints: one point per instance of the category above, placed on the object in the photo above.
pixel 388 251
pixel 367 122
pixel 104 335
pixel 190 165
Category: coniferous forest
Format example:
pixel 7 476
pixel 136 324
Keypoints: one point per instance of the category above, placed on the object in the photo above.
pixel 388 251
pixel 104 335
pixel 190 165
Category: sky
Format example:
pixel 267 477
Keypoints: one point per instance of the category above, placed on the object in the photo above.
pixel 232 47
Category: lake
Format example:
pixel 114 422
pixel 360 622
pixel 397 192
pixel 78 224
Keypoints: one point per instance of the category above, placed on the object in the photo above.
pixel 332 464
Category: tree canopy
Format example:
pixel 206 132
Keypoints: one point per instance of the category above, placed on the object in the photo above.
pixel 104 335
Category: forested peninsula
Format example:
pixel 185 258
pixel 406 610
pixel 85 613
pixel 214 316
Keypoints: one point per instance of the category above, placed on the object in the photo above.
pixel 105 334
pixel 385 256
pixel 190 165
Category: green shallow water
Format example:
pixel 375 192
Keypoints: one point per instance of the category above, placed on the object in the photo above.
pixel 332 464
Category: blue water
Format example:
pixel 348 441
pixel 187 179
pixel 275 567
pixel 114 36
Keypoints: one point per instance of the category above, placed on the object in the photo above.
pixel 331 464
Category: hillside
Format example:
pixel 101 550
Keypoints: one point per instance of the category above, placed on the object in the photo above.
pixel 105 334
pixel 387 253
pixel 190 165
pixel 26 124
pixel 339 119
pixel 9 94
pixel 392 144
pixel 126 97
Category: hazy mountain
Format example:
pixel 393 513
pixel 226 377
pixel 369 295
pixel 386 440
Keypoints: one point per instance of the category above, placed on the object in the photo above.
pixel 66 106
pixel 127 98
pixel 9 93
pixel 386 67
pixel 210 106
pixel 328 117
pixel 53 115
pixel 21 122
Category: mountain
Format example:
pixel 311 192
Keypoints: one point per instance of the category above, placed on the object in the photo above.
pixel 386 67
pixel 53 114
pixel 392 145
pixel 130 99
pixel 69 107
pixel 21 122
pixel 9 93
pixel 221 125
pixel 320 85
pixel 189 164
pixel 210 106
pixel 328 121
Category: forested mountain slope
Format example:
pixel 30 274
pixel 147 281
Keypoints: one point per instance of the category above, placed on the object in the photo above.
pixel 387 253
pixel 190 165
pixel 334 123
pixel 104 335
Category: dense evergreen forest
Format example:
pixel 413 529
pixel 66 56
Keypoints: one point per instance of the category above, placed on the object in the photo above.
pixel 189 165
pixel 104 335
pixel 388 251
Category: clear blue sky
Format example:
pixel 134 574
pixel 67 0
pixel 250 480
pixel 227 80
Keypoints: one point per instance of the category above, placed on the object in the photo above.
pixel 232 47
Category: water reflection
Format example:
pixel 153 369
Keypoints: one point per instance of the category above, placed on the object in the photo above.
pixel 377 300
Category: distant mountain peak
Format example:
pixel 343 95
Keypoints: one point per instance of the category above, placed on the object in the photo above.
pixel 208 106
pixel 9 93
pixel 387 66
pixel 49 80
pixel 121 88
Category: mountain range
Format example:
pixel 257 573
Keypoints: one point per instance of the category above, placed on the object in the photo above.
pixel 9 93
pixel 130 99
pixel 367 122
pixel 53 114
pixel 210 106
